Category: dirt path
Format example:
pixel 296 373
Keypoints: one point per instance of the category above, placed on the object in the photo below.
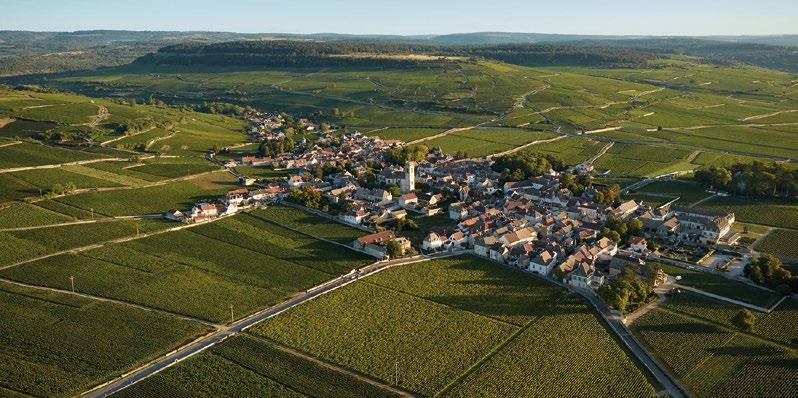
pixel 104 143
pixel 102 114
pixel 4 121
pixel 520 102
pixel 442 134
pixel 159 139
pixel 698 202
pixel 57 165
pixel 601 153
pixel 10 143
pixel 757 117
pixel 604 130
pixel 334 368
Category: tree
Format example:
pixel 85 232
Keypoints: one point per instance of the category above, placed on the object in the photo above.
pixel 394 249
pixel 744 319
pixel 393 189
pixel 769 271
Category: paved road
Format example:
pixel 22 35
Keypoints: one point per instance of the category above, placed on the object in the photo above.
pixel 209 340
pixel 634 347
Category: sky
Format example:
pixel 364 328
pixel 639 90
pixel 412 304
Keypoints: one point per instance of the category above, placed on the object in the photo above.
pixel 409 17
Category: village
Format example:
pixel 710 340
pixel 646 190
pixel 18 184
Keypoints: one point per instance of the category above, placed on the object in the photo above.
pixel 535 224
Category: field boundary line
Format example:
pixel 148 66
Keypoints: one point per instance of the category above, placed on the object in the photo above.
pixel 332 366
pixel 57 165
pixel 527 145
pixel 111 300
pixel 723 298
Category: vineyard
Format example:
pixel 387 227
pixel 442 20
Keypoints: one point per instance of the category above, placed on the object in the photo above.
pixel 404 134
pixel 26 215
pixel 22 245
pixel 199 271
pixel 712 360
pixel 722 286
pixel 310 224
pixel 781 242
pixel 440 321
pixel 61 345
pixel 28 154
pixel 486 141
pixel 257 369
pixel 153 200
pixel 777 214
pixel 526 367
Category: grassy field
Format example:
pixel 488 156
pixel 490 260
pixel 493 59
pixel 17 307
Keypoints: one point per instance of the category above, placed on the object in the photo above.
pixel 763 212
pixel 722 286
pixel 692 336
pixel 472 314
pixel 56 344
pixel 245 366
pixel 644 160
pixel 486 141
pixel 200 271
pixel 781 242
pixel 571 150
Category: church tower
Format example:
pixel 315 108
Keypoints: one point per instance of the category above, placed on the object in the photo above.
pixel 409 182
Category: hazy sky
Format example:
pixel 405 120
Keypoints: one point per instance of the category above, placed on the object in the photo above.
pixel 652 17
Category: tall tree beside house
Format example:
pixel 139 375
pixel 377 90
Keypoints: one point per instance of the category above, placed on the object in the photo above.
pixel 757 179
pixel 394 249
pixel 307 197
pixel 630 288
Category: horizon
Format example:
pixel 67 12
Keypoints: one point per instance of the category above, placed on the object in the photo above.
pixel 680 18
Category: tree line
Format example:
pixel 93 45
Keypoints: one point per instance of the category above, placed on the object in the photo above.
pixel 757 180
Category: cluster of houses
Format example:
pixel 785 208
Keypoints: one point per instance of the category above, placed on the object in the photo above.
pixel 535 224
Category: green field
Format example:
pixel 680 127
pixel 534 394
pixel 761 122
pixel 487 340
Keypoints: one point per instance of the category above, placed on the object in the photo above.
pixel 55 344
pixel 722 286
pixel 200 271
pixel 309 223
pixel 26 215
pixel 155 199
pixel 404 133
pixel 486 141
pixel 691 336
pixel 472 314
pixel 686 191
pixel 29 244
pixel 781 242
pixel 27 154
pixel 245 366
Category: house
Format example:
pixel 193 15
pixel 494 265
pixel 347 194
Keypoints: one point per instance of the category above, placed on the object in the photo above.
pixel 458 211
pixel 296 181
pixel 175 215
pixel 433 241
pixel 204 209
pixel 543 262
pixel 581 276
pixel 408 199
pixel 237 197
pixel 638 244
pixel 354 216
pixel 373 239
pixel 458 239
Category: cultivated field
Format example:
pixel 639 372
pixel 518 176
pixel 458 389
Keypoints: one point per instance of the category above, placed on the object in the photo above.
pixel 200 271
pixel 781 242
pixel 472 314
pixel 763 212
pixel 246 366
pixel 309 223
pixel 692 335
pixel 722 286
pixel 55 344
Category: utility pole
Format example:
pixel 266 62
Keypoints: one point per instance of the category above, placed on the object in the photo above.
pixel 72 282
pixel 232 318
